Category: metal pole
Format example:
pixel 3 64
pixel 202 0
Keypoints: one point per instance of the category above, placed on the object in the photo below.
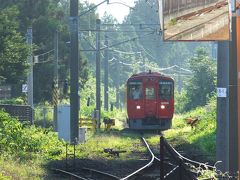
pixel 222 134
pixel 74 68
pixel 117 84
pixel 30 72
pixel 161 158
pixel 56 56
pixel 106 74
pixel 98 74
pixel 56 78
pixel 238 66
pixel 233 105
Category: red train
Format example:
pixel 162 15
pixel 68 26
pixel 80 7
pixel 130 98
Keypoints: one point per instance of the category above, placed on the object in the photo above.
pixel 150 101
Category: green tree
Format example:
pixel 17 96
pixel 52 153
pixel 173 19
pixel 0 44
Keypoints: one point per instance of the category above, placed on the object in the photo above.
pixel 13 49
pixel 202 85
pixel 46 17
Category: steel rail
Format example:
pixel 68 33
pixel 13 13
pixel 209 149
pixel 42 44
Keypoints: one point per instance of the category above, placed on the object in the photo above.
pixel 189 160
pixel 102 173
pixel 150 163
pixel 194 27
pixel 70 174
pixel 200 11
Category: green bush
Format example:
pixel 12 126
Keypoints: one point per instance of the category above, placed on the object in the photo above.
pixel 19 100
pixel 27 141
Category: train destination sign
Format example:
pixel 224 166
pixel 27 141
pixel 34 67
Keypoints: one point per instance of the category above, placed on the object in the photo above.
pixel 195 20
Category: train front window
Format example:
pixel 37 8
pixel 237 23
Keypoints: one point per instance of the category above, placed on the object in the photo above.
pixel 165 89
pixel 135 90
pixel 150 93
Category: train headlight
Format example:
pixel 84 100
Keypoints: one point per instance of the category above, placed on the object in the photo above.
pixel 138 107
pixel 163 106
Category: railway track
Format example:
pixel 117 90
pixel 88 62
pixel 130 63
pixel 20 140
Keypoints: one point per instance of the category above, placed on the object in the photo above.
pixel 190 27
pixel 185 168
pixel 195 30
pixel 170 165
pixel 201 11
pixel 151 163
pixel 87 174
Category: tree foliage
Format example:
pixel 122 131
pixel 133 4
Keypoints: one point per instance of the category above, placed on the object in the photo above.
pixel 201 86
pixel 45 17
pixel 13 49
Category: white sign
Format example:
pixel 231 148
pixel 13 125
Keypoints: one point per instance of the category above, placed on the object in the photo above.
pixel 221 92
pixel 24 88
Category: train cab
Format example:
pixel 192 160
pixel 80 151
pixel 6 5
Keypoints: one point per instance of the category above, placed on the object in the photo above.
pixel 150 101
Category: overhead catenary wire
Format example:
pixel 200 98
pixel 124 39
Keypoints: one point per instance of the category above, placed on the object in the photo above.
pixel 122 42
pixel 52 50
pixel 37 57
pixel 124 52
pixel 94 7
pixel 131 39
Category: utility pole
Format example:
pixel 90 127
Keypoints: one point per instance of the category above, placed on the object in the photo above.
pixel 222 134
pixel 55 80
pixel 117 84
pixel 98 74
pixel 233 94
pixel 227 108
pixel 144 62
pixel 238 66
pixel 30 72
pixel 74 72
pixel 106 74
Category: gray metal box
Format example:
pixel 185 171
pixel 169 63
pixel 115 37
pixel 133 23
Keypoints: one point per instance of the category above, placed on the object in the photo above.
pixel 63 122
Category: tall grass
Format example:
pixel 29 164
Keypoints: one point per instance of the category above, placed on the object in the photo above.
pixel 203 135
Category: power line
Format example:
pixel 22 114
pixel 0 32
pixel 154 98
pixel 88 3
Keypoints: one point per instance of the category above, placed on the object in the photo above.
pixel 124 52
pixel 132 39
pixel 45 53
pixel 94 7
pixel 37 57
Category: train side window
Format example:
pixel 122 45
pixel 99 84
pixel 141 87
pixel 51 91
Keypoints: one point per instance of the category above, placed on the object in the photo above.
pixel 150 93
pixel 135 90
pixel 165 90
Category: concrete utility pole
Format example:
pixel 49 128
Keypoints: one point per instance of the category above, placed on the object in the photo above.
pixel 74 72
pixel 56 57
pixel 222 136
pixel 55 80
pixel 233 104
pixel 144 62
pixel 98 74
pixel 238 66
pixel 117 84
pixel 106 74
pixel 227 129
pixel 30 72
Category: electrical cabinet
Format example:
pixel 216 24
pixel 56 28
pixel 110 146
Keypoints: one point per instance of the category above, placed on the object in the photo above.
pixel 63 125
pixel 63 122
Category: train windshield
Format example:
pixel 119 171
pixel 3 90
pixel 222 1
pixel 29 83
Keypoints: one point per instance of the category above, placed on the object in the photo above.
pixel 165 89
pixel 150 93
pixel 135 90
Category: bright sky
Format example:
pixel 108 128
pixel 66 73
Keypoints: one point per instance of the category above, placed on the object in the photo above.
pixel 115 7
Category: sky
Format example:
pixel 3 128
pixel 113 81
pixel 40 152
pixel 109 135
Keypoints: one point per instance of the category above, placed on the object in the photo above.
pixel 117 10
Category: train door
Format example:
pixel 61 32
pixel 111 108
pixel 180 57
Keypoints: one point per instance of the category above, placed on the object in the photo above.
pixel 150 100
